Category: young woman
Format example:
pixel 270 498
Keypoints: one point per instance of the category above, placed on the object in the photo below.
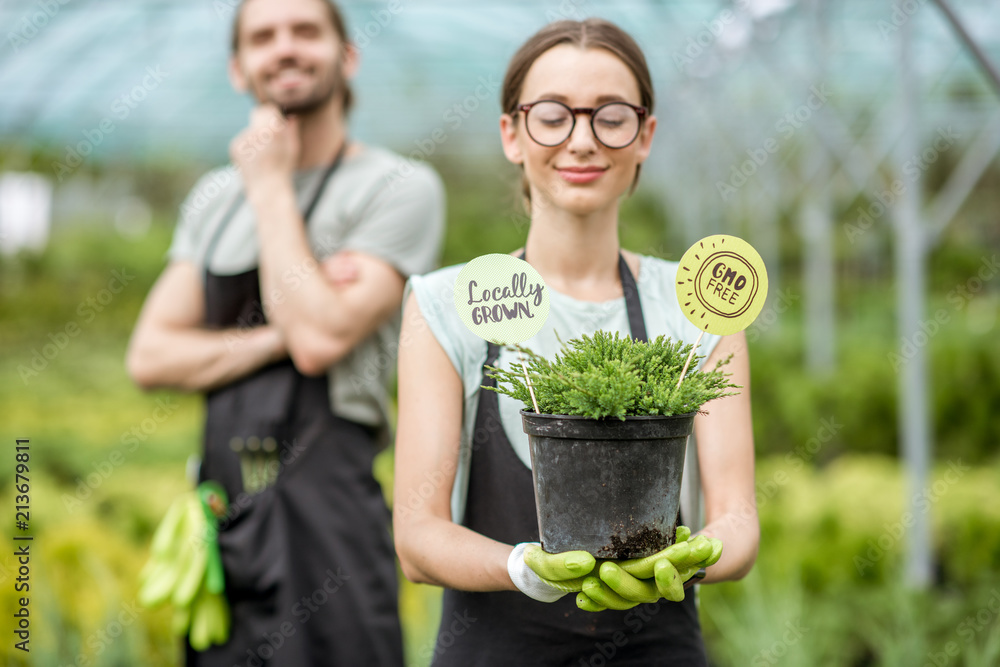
pixel 577 101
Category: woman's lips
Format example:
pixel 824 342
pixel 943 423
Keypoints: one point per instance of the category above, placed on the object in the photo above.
pixel 580 174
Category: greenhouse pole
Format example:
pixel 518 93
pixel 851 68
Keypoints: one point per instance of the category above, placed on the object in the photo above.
pixel 970 44
pixel 911 358
pixel 819 274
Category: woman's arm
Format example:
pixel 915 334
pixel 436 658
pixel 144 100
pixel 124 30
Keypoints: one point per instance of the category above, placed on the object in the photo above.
pixel 726 460
pixel 431 548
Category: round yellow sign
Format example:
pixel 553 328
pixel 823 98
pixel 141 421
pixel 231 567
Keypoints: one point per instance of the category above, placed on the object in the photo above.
pixel 721 284
pixel 501 298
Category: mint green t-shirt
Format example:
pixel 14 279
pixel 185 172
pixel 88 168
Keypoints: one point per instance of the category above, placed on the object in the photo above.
pixel 570 318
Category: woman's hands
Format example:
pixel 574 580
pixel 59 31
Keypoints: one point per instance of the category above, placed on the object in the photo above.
pixel 547 577
pixel 612 584
pixel 625 584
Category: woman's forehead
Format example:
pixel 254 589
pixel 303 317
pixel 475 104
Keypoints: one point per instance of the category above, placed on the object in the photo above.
pixel 580 76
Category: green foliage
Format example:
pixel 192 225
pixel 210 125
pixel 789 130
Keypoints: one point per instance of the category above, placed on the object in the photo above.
pixel 861 393
pixel 606 375
pixel 827 588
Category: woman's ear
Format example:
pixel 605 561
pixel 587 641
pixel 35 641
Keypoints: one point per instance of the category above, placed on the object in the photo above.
pixel 645 139
pixel 508 138
pixel 236 77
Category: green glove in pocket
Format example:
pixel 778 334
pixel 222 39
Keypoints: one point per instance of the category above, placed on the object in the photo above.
pixel 185 567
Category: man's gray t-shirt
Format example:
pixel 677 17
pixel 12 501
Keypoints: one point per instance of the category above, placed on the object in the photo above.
pixel 377 202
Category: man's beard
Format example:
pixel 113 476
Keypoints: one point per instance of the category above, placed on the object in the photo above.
pixel 325 90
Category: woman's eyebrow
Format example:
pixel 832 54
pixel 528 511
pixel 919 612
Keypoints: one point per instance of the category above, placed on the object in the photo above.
pixel 553 96
pixel 610 98
pixel 601 99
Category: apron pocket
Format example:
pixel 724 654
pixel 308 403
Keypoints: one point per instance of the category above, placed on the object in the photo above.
pixel 252 545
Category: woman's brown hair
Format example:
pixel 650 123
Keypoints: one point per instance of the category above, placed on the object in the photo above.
pixel 592 33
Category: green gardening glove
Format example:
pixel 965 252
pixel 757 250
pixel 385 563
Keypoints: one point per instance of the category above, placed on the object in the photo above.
pixel 547 577
pixel 185 567
pixel 625 584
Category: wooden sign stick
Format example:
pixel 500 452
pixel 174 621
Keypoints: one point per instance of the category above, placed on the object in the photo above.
pixel 527 381
pixel 690 356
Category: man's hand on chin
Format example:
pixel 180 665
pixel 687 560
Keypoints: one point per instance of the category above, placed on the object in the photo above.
pixel 267 151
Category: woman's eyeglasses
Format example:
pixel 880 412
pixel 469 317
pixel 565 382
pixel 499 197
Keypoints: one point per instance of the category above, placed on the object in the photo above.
pixel 615 124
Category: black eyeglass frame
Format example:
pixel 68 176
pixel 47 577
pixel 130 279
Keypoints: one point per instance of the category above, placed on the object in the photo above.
pixel 642 112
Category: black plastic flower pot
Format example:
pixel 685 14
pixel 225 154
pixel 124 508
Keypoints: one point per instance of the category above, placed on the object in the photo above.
pixel 607 486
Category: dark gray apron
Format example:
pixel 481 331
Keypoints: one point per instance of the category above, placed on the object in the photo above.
pixel 309 563
pixel 512 629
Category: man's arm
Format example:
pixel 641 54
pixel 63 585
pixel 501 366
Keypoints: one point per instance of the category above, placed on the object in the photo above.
pixel 320 322
pixel 171 349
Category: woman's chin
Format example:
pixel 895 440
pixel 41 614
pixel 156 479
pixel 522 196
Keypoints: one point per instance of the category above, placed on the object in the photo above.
pixel 584 203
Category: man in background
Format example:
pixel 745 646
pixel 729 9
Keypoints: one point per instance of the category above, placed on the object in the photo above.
pixel 280 303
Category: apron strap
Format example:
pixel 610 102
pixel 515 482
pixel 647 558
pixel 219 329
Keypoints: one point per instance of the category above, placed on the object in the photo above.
pixel 306 216
pixel 636 322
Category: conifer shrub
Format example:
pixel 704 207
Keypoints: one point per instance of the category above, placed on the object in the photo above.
pixel 605 375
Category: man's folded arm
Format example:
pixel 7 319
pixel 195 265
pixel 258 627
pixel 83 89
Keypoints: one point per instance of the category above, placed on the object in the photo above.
pixel 171 348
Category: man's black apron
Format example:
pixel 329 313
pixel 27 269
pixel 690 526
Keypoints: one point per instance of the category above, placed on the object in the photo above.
pixel 509 628
pixel 309 563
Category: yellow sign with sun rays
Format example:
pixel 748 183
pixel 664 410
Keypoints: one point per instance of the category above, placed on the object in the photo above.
pixel 721 284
